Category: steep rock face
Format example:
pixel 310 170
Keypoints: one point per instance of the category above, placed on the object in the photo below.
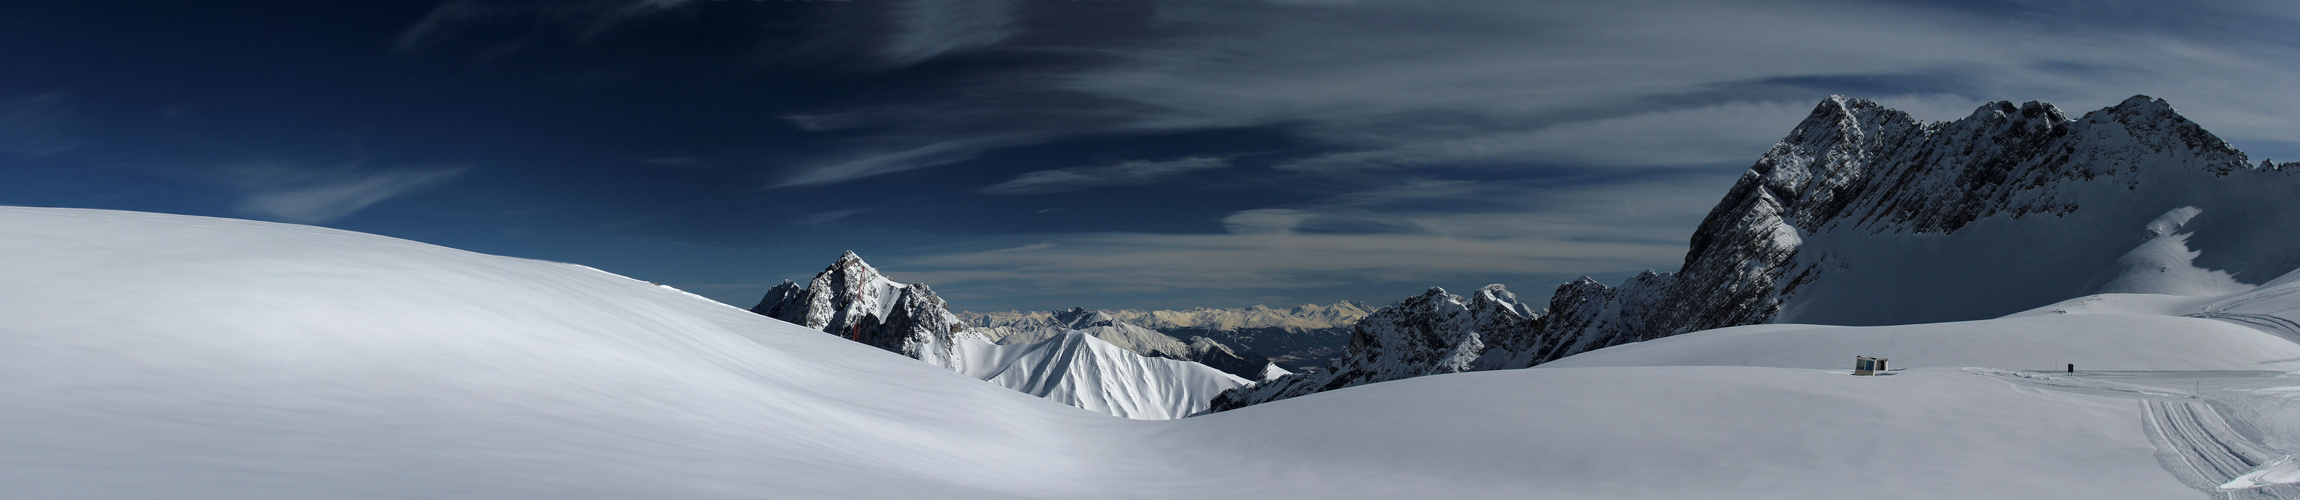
pixel 1208 352
pixel 851 299
pixel 1435 332
pixel 1864 215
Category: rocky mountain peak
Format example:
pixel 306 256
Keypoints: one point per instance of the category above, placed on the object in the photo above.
pixel 851 299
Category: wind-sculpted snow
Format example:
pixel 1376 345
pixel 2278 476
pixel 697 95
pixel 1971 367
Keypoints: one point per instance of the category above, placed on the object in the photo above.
pixel 147 356
pixel 1864 215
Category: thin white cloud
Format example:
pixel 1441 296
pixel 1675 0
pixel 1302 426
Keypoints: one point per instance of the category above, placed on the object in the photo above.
pixel 1432 232
pixel 824 218
pixel 37 125
pixel 319 195
pixel 870 163
pixel 932 28
pixel 1265 221
pixel 1126 173
pixel 587 18
pixel 1732 132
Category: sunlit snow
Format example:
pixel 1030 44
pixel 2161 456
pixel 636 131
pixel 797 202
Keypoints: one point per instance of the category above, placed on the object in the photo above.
pixel 160 356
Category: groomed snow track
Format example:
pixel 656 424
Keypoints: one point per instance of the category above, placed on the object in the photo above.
pixel 2205 450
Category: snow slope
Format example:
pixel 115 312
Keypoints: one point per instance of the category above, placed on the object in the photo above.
pixel 1081 370
pixel 2100 341
pixel 157 356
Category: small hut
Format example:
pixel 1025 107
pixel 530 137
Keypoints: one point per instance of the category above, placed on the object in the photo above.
pixel 1865 365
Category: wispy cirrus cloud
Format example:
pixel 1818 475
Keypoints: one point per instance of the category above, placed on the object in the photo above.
pixel 38 125
pixel 1125 173
pixel 1412 233
pixel 316 195
pixel 876 162
pixel 823 218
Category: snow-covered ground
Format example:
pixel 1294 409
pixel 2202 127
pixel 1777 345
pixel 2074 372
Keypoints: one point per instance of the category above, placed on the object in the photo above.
pixel 158 356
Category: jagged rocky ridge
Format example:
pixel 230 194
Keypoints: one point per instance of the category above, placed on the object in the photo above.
pixel 1072 366
pixel 1865 215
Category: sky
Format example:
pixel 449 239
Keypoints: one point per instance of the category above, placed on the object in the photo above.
pixel 1049 154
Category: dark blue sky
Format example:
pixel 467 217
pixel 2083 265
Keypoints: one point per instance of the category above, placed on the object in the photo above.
pixel 1019 154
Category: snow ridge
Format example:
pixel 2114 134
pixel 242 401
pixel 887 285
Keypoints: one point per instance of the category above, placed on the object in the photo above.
pixel 1081 370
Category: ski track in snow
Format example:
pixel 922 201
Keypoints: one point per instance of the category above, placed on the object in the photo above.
pixel 2196 438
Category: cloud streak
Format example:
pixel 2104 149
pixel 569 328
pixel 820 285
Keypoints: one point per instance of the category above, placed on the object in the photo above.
pixel 1415 233
pixel 37 125
pixel 1126 173
pixel 1633 83
pixel 314 196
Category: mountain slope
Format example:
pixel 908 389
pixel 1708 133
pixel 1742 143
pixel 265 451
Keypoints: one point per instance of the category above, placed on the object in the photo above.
pixel 1429 334
pixel 850 298
pixel 1305 336
pixel 1035 328
pixel 158 356
pixel 1864 215
pixel 1081 370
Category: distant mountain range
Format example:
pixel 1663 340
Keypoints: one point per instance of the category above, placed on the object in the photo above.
pixel 1082 359
pixel 1865 215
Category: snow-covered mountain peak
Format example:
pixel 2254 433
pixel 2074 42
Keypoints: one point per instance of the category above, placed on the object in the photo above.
pixel 852 299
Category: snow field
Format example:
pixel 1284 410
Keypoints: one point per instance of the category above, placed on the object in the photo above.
pixel 156 356
pixel 2096 341
pixel 152 356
